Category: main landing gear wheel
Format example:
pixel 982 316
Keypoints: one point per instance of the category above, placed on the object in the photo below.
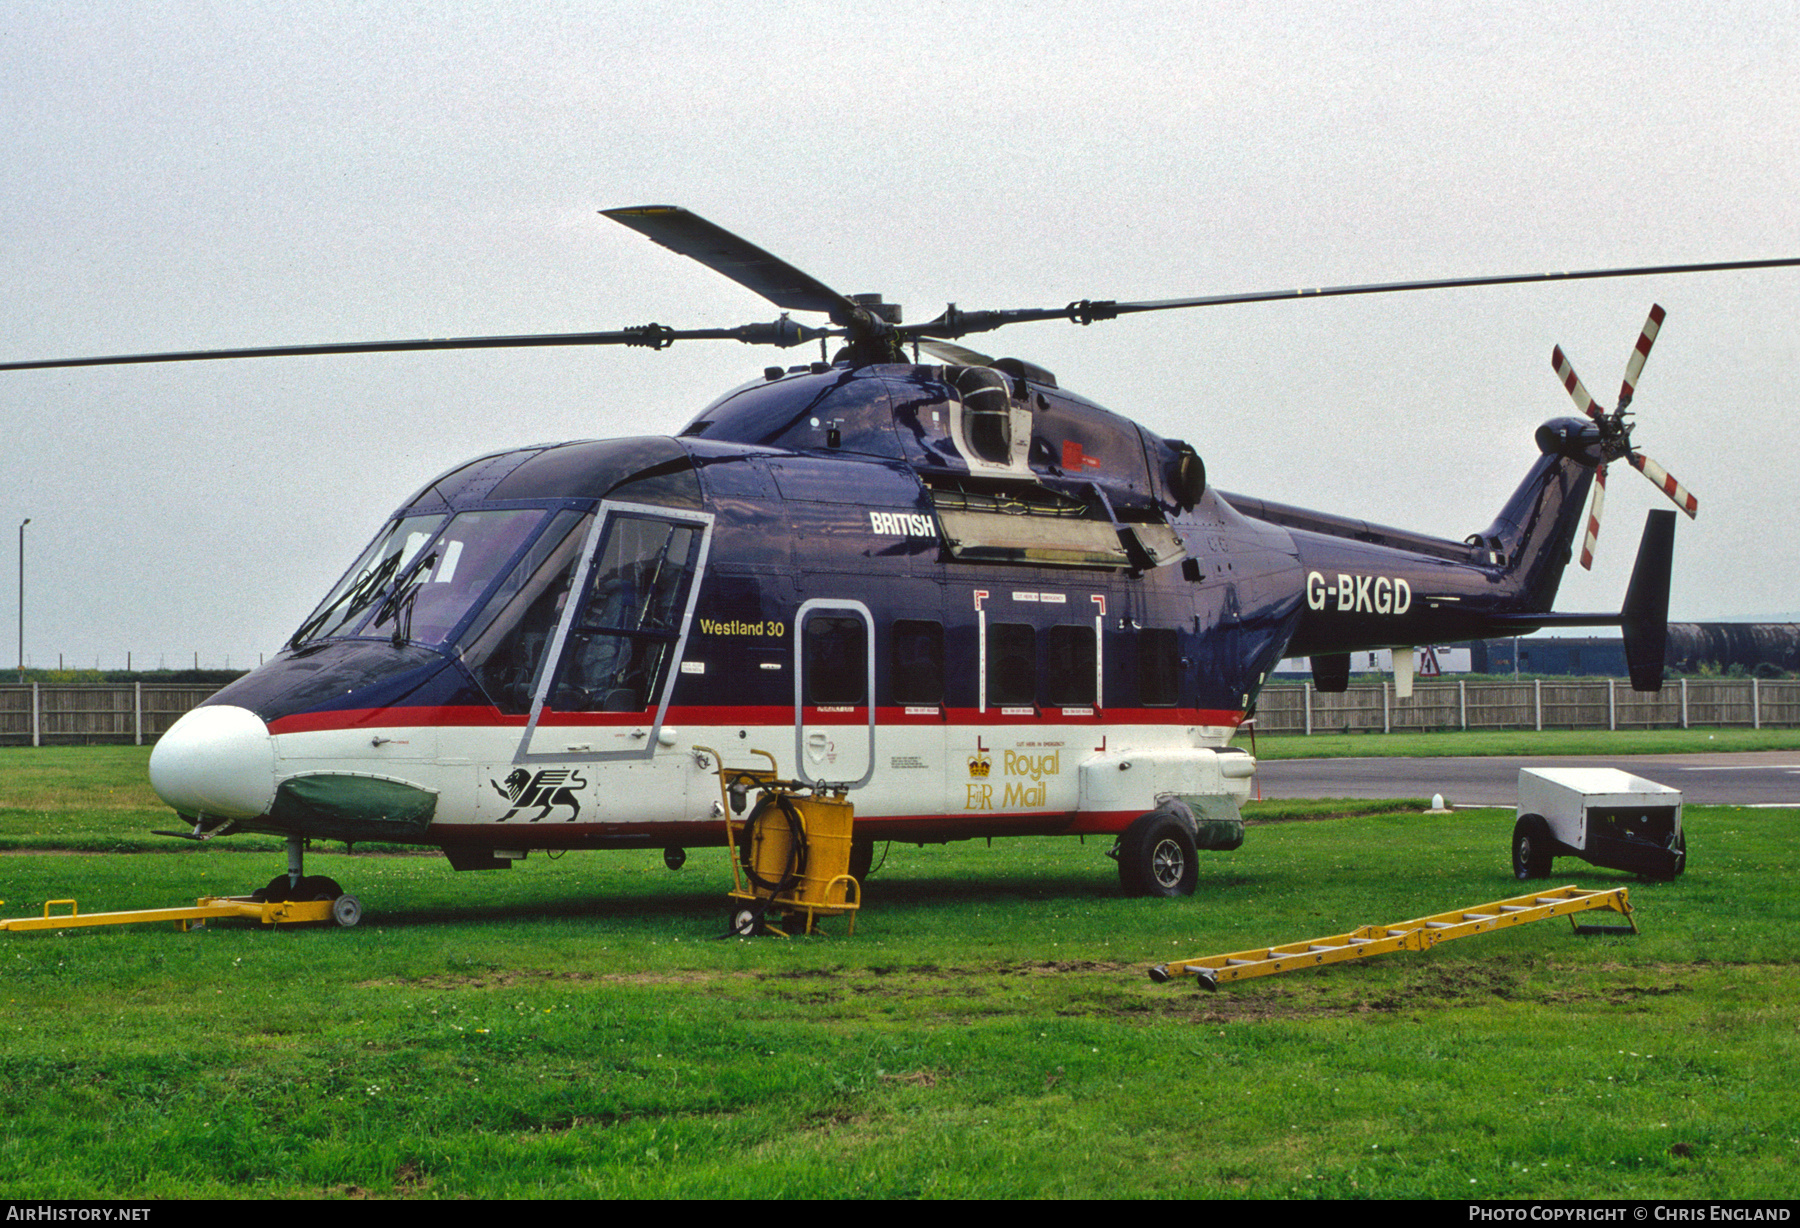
pixel 1157 857
pixel 1531 848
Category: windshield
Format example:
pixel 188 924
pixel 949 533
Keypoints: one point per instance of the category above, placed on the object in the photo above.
pixel 373 574
pixel 404 590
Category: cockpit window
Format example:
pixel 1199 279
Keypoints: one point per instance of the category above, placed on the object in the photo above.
pixel 428 603
pixel 393 550
pixel 504 646
pixel 412 587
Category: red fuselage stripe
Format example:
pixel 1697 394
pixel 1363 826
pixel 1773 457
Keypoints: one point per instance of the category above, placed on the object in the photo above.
pixel 473 716
pixel 705 834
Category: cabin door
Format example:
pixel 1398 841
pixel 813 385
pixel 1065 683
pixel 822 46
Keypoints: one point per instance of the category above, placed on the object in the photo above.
pixel 834 692
pixel 619 643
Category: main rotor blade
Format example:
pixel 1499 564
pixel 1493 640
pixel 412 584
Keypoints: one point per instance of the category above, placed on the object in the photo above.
pixel 954 323
pixel 783 332
pixel 1459 282
pixel 954 354
pixel 745 263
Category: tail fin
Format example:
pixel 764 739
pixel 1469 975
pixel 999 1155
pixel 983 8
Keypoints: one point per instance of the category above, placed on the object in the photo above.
pixel 1535 531
pixel 1645 618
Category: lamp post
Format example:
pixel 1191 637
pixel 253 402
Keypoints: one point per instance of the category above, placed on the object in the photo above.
pixel 22 525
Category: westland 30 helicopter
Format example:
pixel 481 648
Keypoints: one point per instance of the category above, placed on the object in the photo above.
pixel 987 605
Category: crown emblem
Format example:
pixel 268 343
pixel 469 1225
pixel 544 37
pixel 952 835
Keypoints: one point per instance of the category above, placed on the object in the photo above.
pixel 979 765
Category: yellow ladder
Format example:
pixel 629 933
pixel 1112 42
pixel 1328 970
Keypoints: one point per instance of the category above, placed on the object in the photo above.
pixel 1419 934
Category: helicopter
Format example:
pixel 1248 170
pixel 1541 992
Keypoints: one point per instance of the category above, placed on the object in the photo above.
pixel 982 603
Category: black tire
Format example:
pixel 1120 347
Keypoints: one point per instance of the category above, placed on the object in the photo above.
pixel 1680 850
pixel 317 887
pixel 674 857
pixel 277 892
pixel 744 922
pixel 1531 845
pixel 1157 857
pixel 862 857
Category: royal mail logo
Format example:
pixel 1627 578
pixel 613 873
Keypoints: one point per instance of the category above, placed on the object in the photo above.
pixel 980 765
pixel 549 789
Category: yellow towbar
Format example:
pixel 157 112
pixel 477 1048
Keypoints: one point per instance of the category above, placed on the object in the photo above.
pixel 1419 934
pixel 345 911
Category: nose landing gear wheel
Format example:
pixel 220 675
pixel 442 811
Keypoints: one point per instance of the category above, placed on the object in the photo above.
pixel 313 887
pixel 318 888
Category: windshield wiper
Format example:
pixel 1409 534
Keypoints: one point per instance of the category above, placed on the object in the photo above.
pixel 353 600
pixel 399 603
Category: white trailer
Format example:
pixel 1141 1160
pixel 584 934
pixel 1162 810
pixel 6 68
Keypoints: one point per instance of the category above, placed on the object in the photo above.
pixel 1601 815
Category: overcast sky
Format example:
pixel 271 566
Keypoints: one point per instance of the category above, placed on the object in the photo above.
pixel 190 176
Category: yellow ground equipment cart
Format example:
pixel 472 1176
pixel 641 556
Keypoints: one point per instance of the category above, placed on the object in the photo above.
pixel 790 853
pixel 344 910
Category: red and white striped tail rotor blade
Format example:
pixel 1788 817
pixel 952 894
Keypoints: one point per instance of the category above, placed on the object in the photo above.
pixel 1593 525
pixel 1645 340
pixel 1678 494
pixel 1572 382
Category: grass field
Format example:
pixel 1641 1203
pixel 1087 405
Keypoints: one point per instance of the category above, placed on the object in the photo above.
pixel 573 1027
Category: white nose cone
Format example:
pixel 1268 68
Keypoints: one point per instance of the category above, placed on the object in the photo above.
pixel 217 761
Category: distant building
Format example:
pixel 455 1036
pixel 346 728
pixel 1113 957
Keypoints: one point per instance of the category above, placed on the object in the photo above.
pixel 1430 662
pixel 1756 648
pixel 1595 656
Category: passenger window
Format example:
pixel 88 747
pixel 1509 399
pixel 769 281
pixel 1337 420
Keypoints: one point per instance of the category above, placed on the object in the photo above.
pixel 1159 668
pixel 836 660
pixel 1070 673
pixel 918 662
pixel 1011 664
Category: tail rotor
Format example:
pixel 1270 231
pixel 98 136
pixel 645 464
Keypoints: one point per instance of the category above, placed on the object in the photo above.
pixel 1615 432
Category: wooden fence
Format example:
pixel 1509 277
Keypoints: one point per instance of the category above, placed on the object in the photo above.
pixel 132 712
pixel 1591 703
pixel 40 715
